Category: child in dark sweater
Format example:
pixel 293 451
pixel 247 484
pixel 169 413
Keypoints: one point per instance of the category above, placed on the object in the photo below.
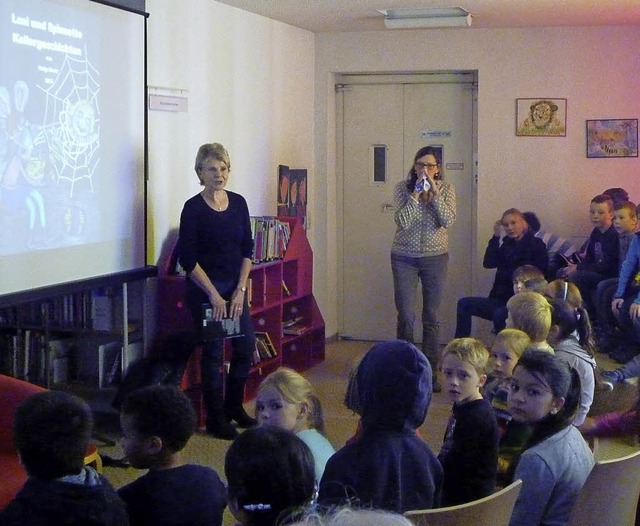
pixel 157 422
pixel 469 453
pixel 601 260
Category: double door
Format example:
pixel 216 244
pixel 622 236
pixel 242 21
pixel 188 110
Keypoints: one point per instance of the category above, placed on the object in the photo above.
pixel 382 122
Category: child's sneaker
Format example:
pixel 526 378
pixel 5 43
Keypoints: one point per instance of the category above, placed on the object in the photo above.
pixel 611 378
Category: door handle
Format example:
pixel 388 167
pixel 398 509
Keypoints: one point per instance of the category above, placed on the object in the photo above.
pixel 387 207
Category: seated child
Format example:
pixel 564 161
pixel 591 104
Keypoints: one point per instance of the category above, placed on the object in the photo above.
pixel 626 307
pixel 625 221
pixel 388 466
pixel 530 312
pixel 270 473
pixel 157 422
pixel 521 275
pixel 601 259
pixel 577 351
pixel 51 432
pixel 524 274
pixel 617 195
pixel 286 400
pixel 507 348
pixel 469 452
pixel 556 461
pixel 561 289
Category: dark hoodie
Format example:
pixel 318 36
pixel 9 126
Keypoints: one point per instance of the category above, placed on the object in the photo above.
pixel 58 503
pixel 388 466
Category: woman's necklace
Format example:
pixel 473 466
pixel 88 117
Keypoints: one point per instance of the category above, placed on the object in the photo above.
pixel 219 205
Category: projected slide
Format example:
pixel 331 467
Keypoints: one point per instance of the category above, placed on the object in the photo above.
pixel 49 130
pixel 71 135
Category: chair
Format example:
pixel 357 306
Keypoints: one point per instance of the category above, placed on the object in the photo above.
pixel 494 510
pixel 610 493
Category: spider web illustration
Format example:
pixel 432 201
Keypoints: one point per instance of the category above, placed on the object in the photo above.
pixel 72 122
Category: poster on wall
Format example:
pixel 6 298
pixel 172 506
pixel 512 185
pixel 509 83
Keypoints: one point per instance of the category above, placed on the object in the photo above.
pixel 612 138
pixel 292 193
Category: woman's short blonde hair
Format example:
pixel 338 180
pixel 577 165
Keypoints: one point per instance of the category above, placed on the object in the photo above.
pixel 213 150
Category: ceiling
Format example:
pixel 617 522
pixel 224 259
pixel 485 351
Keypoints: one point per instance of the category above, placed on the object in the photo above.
pixel 319 16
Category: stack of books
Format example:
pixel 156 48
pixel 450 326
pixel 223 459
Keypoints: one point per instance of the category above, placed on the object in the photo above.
pixel 270 236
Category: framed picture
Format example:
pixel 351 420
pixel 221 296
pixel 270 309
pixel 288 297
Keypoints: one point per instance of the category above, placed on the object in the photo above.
pixel 542 117
pixel 612 138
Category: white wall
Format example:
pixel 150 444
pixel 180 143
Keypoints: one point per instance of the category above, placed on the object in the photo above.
pixel 265 90
pixel 596 69
pixel 249 83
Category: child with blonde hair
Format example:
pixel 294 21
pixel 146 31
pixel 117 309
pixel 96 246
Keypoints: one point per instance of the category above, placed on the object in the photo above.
pixel 530 312
pixel 469 453
pixel 286 400
pixel 507 348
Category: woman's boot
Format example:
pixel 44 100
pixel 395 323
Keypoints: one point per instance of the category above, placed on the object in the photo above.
pixel 217 424
pixel 233 408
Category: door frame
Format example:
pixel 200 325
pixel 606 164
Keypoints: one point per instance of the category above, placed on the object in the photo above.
pixel 341 84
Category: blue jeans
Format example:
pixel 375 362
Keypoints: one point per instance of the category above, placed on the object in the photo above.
pixel 492 309
pixel 432 273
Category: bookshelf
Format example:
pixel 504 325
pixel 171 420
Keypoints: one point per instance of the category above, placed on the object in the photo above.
pixel 278 289
pixel 80 333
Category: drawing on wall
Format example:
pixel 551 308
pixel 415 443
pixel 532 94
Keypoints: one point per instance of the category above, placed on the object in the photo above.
pixel 292 192
pixel 541 117
pixel 612 138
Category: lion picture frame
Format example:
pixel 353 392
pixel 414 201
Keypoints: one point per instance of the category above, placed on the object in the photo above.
pixel 541 117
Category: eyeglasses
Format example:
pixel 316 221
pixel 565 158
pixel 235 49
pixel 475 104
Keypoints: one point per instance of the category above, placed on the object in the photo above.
pixel 428 166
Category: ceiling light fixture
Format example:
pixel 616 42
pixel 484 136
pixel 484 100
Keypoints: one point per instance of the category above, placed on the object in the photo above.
pixel 426 17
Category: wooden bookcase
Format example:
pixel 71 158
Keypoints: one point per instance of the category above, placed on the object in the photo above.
pixel 271 306
pixel 75 333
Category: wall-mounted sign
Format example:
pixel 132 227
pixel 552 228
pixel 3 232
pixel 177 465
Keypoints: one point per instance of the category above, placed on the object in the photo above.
pixel 168 103
pixel 435 134
pixel 454 166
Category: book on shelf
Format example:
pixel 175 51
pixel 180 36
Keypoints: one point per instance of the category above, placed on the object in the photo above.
pixel 294 330
pixel 265 349
pixel 108 362
pixel 213 329
pixel 270 237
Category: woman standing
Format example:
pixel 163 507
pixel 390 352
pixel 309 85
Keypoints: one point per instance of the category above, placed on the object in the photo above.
pixel 425 207
pixel 215 250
